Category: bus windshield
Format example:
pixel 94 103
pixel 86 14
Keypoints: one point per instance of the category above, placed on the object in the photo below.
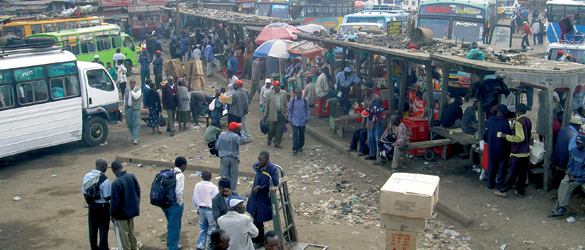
pixel 280 11
pixel 366 19
pixel 468 31
pixel 440 28
pixel 262 9
pixel 15 31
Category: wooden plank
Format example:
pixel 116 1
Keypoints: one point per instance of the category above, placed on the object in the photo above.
pixel 444 101
pixel 402 88
pixel 428 144
pixel 370 66
pixel 389 73
pixel 457 136
pixel 430 97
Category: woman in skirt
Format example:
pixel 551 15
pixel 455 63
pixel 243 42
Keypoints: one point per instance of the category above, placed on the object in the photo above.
pixel 153 104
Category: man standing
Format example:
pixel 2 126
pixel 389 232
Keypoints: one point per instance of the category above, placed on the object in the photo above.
pixel 267 87
pixel 498 148
pixel 276 112
pixel 232 79
pixel 469 121
pixel 184 48
pixel 96 59
pixel 157 67
pixel 259 204
pixel 111 70
pixel 208 52
pixel 170 100
pixel 132 105
pixel 299 113
pixel 121 78
pixel 256 76
pixel 451 118
pixel 520 151
pixel 218 204
pixel 144 59
pixel 535 15
pixel 118 56
pixel 345 80
pixel 565 142
pixel 239 106
pixel 228 147
pixel 271 241
pixel 566 24
pixel 219 240
pixel 232 62
pixel 399 134
pixel 203 193
pixel 237 225
pixel 536 32
pixel 526 30
pixel 124 206
pixel 373 122
pixel 248 56
pixel 99 205
pixel 574 177
pixel 174 213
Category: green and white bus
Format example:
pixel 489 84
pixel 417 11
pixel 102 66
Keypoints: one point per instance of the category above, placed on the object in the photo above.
pixel 468 20
pixel 102 40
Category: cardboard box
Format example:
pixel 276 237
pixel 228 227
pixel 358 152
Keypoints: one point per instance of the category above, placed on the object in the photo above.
pixel 410 195
pixel 397 240
pixel 397 223
pixel 197 83
pixel 197 68
pixel 174 68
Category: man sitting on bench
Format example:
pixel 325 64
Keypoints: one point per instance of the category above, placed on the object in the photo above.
pixel 453 114
pixel 397 135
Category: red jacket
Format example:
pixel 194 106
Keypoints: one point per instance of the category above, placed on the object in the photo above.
pixel 527 29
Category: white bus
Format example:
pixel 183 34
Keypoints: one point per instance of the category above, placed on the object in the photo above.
pixel 48 98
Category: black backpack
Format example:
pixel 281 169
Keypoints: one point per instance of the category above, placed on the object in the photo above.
pixel 92 188
pixel 162 191
pixel 213 147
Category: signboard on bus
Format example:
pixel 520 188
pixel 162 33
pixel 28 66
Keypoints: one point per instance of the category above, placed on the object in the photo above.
pixel 394 28
pixel 115 2
pixel 452 10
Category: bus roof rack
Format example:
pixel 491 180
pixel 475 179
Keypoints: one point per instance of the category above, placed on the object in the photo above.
pixel 28 48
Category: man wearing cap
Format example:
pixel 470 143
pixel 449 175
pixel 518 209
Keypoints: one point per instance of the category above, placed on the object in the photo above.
pixel 267 86
pixel 574 177
pixel 96 59
pixel 118 56
pixel 211 60
pixel 228 147
pixel 498 148
pixel 259 204
pixel 374 126
pixel 526 30
pixel 276 112
pixel 238 225
pixel 453 114
pixel 257 75
pixel 239 106
pixel 145 59
pixel 345 80
pixel 519 153
pixel 157 67
pixel 218 204
pixel 564 144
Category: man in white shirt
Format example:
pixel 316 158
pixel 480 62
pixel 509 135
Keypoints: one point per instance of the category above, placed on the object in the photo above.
pixel 267 86
pixel 237 225
pixel 174 213
pixel 121 78
pixel 196 54
pixel 232 79
pixel 118 56
pixel 132 106
pixel 535 32
pixel 203 194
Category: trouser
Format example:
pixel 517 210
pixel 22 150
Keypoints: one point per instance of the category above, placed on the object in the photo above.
pixel 245 128
pixel 126 233
pixel 298 138
pixel 216 116
pixel 234 118
pixel 496 171
pixel 276 129
pixel 332 93
pixel 260 237
pixel 158 80
pixel 174 213
pixel 456 124
pixel 565 191
pixel 229 167
pixel 247 70
pixel 185 57
pixel 396 157
pixel 345 98
pixel 206 226
pixel 360 136
pixel 563 32
pixel 373 137
pixel 540 37
pixel 99 220
pixel 144 75
pixel 210 65
pixel 133 122
pixel 122 87
pixel 525 40
pixel 195 114
pixel 517 167
pixel 254 87
pixel 171 120
pixel 534 37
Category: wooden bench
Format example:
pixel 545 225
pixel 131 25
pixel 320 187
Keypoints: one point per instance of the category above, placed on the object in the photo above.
pixel 208 118
pixel 423 144
pixel 457 136
pixel 343 121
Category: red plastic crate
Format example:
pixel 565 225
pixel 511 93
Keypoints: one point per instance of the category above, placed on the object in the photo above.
pixel 321 107
pixel 438 150
pixel 418 128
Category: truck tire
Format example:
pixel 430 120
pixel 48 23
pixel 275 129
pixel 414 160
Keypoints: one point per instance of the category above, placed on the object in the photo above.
pixel 128 65
pixel 95 131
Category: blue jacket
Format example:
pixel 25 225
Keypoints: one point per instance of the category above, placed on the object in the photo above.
pixel 157 64
pixel 560 154
pixel 576 164
pixel 209 53
pixel 125 201
pixel 145 59
pixel 233 61
pixel 497 147
pixel 184 44
pixel 259 205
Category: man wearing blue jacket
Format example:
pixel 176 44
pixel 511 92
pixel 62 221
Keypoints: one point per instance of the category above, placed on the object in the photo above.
pixel 498 148
pixel 208 52
pixel 124 206
pixel 574 178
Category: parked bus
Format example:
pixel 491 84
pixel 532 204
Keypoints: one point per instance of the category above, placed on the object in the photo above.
pixel 102 40
pixel 49 98
pixel 556 10
pixel 378 17
pixel 27 28
pixel 328 13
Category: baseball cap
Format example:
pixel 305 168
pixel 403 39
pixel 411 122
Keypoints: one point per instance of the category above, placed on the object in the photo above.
pixel 268 80
pixel 559 52
pixel 502 108
pixel 348 69
pixel 239 83
pixel 234 201
pixel 275 83
pixel 580 139
pixel 96 57
pixel 576 120
pixel 234 125
pixel 158 51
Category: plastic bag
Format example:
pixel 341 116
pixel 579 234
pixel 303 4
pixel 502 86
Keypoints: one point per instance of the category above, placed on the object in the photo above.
pixel 212 105
pixel 536 152
pixel 264 126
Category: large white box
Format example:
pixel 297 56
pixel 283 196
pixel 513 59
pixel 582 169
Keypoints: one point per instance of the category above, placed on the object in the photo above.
pixel 398 223
pixel 410 195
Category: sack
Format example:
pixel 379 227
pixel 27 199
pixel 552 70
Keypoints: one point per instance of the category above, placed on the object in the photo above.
pixel 161 121
pixel 143 114
pixel 213 147
pixel 92 188
pixel 211 106
pixel 264 126
pixel 162 191
pixel 536 153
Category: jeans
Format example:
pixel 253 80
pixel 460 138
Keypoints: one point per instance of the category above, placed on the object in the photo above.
pixel 360 136
pixel 174 213
pixel 373 137
pixel 144 75
pixel 229 167
pixel 206 226
pixel 245 128
pixel 496 171
pixel 298 138
pixel 525 40
pixel 517 167
pixel 133 122
pixel 99 220
pixel 210 65
pixel 565 190
pixel 216 116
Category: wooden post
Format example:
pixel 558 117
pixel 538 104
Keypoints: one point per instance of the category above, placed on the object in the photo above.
pixel 370 66
pixel 430 97
pixel 444 101
pixel 390 76
pixel 402 92
pixel 548 142
pixel 568 107
pixel 344 55
pixel 481 114
pixel 358 69
pixel 177 21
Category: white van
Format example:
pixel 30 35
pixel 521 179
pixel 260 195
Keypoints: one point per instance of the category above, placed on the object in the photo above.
pixel 48 98
pixel 378 17
pixel 577 51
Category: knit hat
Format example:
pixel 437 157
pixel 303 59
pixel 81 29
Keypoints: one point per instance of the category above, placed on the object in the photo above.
pixel 234 201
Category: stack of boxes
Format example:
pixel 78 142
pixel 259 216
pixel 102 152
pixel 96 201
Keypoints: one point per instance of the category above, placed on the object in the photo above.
pixel 194 75
pixel 407 201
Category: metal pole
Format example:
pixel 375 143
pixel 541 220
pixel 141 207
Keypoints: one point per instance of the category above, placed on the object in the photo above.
pixel 177 20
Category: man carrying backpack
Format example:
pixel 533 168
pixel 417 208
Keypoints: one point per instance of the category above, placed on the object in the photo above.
pixel 96 189
pixel 124 206
pixel 174 212
pixel 299 114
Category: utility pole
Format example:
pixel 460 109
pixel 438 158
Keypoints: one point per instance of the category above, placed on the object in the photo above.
pixel 177 21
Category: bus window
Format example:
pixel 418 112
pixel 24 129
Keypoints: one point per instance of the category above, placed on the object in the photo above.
pixel 27 74
pixel 61 69
pixel 468 31
pixel 103 42
pixel 556 13
pixel 73 25
pixel 36 29
pixel 70 43
pixel 380 20
pixel 129 44
pixel 84 24
pixel 15 31
pixel 95 22
pixel 440 28
pixel 99 79
pixel 6 97
pixel 5 77
pixel 64 87
pixel 32 92
pixel 48 27
pixel 262 9
pixel 61 25
pixel 87 43
pixel 116 41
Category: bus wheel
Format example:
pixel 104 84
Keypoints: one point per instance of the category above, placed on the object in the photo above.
pixel 95 131
pixel 128 65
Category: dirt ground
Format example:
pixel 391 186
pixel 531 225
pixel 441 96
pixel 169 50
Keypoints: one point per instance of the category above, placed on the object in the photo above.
pixel 335 197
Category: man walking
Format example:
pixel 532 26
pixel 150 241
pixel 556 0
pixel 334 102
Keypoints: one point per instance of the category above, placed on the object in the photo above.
pixel 145 59
pixel 299 113
pixel 256 76
pixel 228 147
pixel 526 30
pixel 170 100
pixel 203 194
pixel 232 62
pixel 259 204
pixel 373 122
pixel 219 205
pixel 498 148
pixel 132 105
pixel 574 177
pixel 118 56
pixel 276 112
pixel 124 206
pixel 237 225
pixel 240 102
pixel 208 52
pixel 157 67
pixel 98 205
pixel 174 213
pixel 536 32
pixel 520 151
pixel 345 80
pixel 248 56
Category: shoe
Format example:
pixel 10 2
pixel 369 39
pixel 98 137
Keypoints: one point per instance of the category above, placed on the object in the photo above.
pixel 361 154
pixel 350 150
pixel 370 158
pixel 501 194
pixel 519 195
pixel 394 170
pixel 258 245
pixel 268 142
pixel 378 163
pixel 295 152
pixel 562 211
pixel 179 246
pixel 172 133
pixel 301 150
pixel 135 142
pixel 277 146
pixel 249 140
pixel 483 175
